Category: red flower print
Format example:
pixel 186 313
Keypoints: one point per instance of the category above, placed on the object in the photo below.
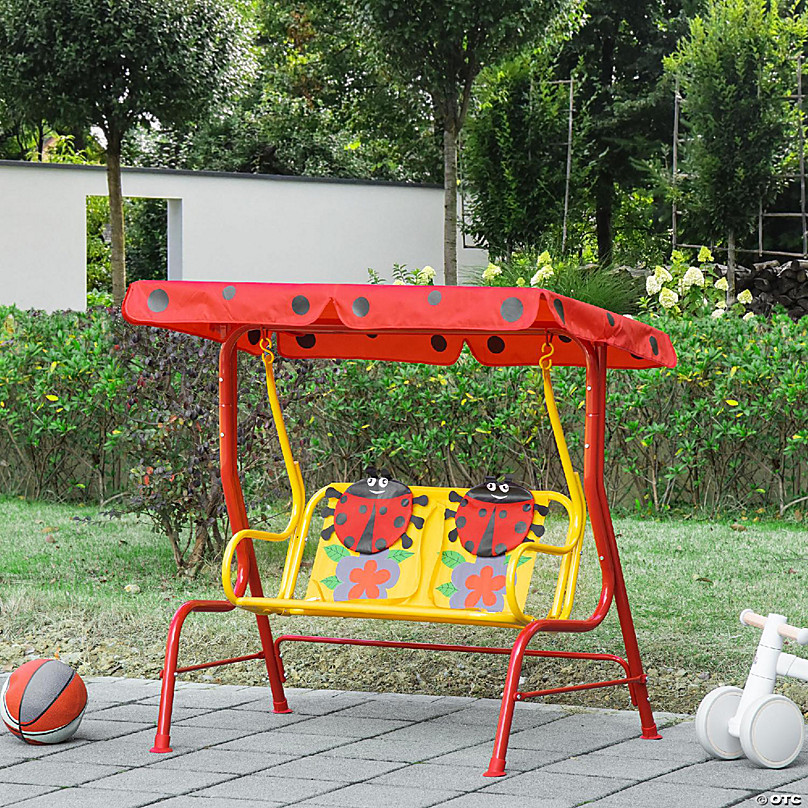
pixel 483 587
pixel 367 579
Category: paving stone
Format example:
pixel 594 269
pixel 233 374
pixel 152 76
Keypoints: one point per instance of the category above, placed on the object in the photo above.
pixel 193 801
pixel 670 794
pixel 595 765
pixel 49 773
pixel 84 797
pixel 795 787
pixel 12 792
pixel 480 800
pixel 479 757
pixel 289 790
pixel 567 734
pixel 185 739
pixel 435 776
pixel 680 749
pixel 161 781
pixel 522 719
pixel 97 729
pixel 286 744
pixel 245 720
pixel 401 709
pixel 344 726
pixel 740 774
pixel 214 698
pixel 412 750
pixel 222 760
pixel 578 788
pixel 144 713
pixel 430 732
pixel 323 767
pixel 366 795
pixel 111 753
pixel 314 702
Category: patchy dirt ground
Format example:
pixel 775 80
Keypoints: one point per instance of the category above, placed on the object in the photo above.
pixel 138 650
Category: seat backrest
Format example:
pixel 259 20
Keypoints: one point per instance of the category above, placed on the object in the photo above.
pixel 423 547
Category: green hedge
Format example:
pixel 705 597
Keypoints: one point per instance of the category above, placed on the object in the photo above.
pixel 93 408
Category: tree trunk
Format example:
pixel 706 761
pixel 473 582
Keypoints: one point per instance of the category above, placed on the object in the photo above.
pixel 118 248
pixel 603 220
pixel 449 204
pixel 731 269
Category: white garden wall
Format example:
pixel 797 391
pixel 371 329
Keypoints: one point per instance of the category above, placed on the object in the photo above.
pixel 220 227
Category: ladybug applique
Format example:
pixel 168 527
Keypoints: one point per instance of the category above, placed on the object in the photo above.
pixel 373 514
pixel 494 517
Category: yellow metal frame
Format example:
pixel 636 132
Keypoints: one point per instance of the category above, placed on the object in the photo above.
pixel 297 533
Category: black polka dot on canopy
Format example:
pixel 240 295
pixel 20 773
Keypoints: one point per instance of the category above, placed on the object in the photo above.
pixel 371 336
pixel 564 338
pixel 434 297
pixel 610 317
pixel 634 356
pixel 341 518
pixel 254 336
pixel 361 306
pixel 306 341
pixel 399 521
pixel 511 309
pixel 438 343
pixel 157 301
pixel 520 527
pixel 300 304
pixel 654 345
pixel 229 292
pixel 496 344
pixel 559 307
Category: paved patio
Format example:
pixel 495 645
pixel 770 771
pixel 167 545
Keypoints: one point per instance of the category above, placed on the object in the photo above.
pixel 364 750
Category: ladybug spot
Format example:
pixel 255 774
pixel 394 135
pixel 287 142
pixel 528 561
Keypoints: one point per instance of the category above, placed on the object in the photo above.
pixel 343 498
pixel 229 292
pixel 469 545
pixel 380 544
pixel 300 304
pixel 654 345
pixel 511 309
pixel 438 343
pixel 496 344
pixel 463 502
pixel 341 518
pixel 610 318
pixel 361 306
pixel 157 301
pixel 483 511
pixel 500 549
pixel 383 510
pixel 559 307
pixel 404 502
pixel 520 527
pixel 399 521
pixel 350 541
pixel 526 507
pixel 503 513
pixel 363 509
pixel 434 297
pixel 460 521
pixel 406 541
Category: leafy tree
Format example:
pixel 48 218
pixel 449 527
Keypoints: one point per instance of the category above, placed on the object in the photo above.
pixel 440 46
pixel 735 70
pixel 116 65
pixel 624 114
pixel 515 154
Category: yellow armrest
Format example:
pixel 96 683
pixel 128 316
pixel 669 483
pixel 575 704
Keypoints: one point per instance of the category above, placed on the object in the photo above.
pixel 230 551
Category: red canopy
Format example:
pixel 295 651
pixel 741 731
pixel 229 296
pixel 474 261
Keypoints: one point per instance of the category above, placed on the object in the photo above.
pixel 429 324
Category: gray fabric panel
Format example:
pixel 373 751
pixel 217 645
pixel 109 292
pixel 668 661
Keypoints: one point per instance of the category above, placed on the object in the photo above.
pixel 48 681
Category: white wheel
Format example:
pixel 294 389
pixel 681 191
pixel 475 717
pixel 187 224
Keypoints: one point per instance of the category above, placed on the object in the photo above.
pixel 712 723
pixel 772 732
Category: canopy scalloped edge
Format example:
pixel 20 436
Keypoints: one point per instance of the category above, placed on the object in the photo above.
pixel 427 324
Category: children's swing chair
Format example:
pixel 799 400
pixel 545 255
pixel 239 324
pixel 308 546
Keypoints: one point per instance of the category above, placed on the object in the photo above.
pixel 392 551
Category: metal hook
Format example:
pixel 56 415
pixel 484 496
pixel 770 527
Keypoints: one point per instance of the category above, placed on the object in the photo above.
pixel 266 347
pixel 547 351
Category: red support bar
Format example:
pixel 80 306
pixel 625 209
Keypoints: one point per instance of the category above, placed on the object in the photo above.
pixel 203 665
pixel 532 694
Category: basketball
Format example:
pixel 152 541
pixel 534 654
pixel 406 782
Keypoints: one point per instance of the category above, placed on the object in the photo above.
pixel 43 701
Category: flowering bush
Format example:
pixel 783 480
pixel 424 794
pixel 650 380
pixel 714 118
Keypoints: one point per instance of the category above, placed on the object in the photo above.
pixel 405 277
pixel 685 289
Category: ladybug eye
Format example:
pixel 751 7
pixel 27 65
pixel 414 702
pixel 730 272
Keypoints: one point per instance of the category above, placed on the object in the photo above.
pixel 504 488
pixel 491 486
pixel 383 482
pixel 371 481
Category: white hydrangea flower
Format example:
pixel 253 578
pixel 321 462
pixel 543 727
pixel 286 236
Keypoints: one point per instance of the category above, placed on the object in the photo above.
pixel 398 282
pixel 542 274
pixel 745 297
pixel 721 284
pixel 749 315
pixel 425 275
pixel 716 313
pixel 668 298
pixel 491 272
pixel 693 277
pixel 721 304
pixel 544 260
pixel 652 285
pixel 662 274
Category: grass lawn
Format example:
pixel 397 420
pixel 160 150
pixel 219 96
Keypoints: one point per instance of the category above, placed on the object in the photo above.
pixel 64 573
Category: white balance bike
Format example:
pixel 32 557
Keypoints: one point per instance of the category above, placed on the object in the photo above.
pixel 766 727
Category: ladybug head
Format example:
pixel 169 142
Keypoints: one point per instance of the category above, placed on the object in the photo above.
pixel 378 485
pixel 505 490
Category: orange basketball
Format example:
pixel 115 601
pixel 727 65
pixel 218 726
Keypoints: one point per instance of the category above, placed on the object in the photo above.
pixel 43 701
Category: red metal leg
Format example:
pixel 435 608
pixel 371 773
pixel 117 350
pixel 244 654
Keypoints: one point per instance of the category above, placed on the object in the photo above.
pixel 162 740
